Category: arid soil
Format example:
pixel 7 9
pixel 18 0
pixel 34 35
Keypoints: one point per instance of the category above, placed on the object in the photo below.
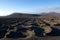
pixel 30 28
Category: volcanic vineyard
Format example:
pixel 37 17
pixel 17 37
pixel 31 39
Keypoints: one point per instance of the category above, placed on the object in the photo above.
pixel 15 27
pixel 26 28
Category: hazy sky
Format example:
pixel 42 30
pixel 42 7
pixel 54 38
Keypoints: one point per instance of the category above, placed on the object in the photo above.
pixel 9 6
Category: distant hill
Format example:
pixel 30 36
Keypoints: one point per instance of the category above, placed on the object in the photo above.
pixel 18 15
pixel 21 15
pixel 50 14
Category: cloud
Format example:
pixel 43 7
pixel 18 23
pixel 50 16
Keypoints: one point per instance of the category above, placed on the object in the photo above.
pixel 37 11
pixel 4 13
pixel 52 9
pixel 10 11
